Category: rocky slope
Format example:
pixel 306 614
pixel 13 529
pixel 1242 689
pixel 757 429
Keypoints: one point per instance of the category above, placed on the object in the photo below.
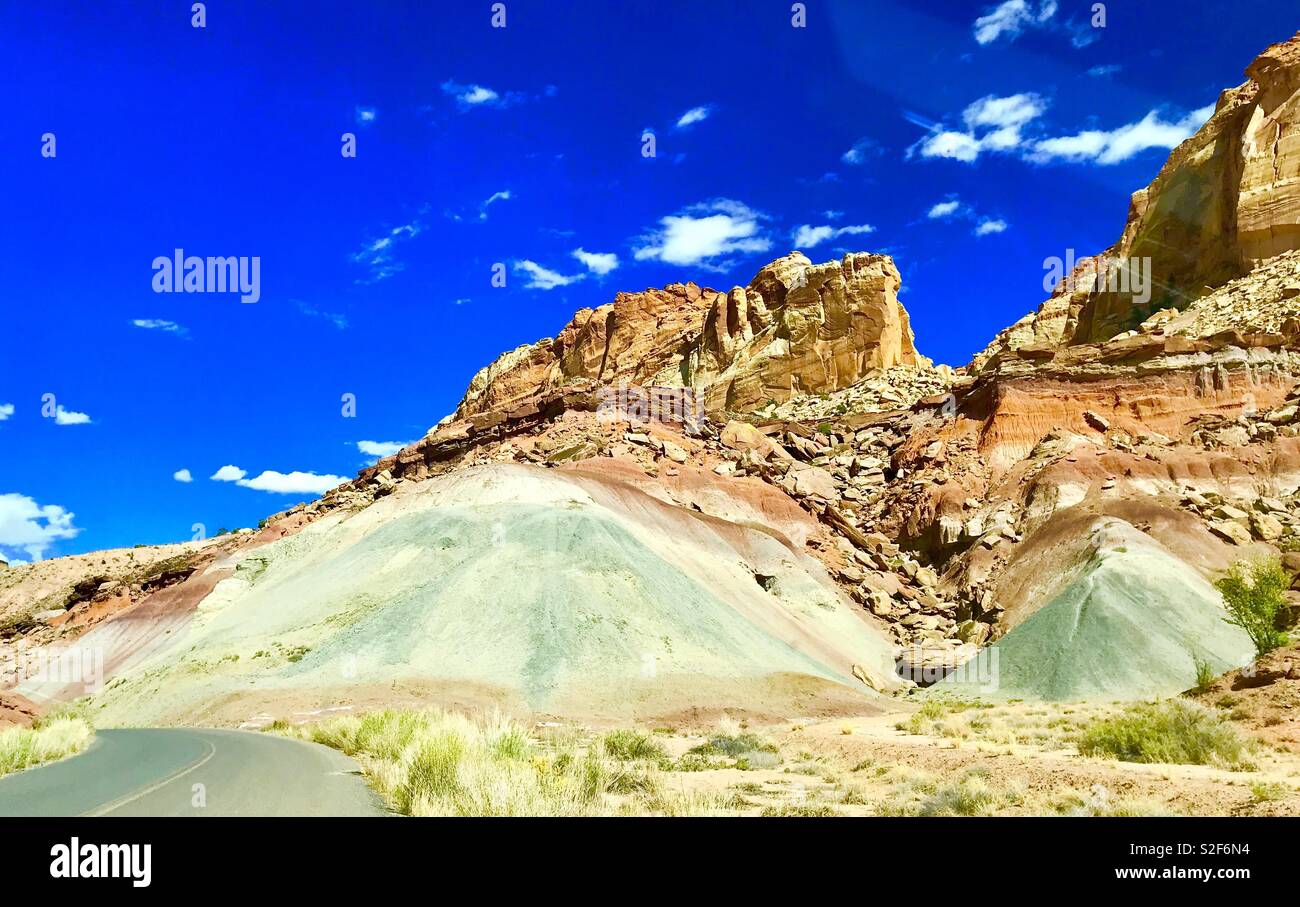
pixel 843 508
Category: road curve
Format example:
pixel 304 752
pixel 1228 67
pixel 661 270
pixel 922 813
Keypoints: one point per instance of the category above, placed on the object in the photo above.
pixel 192 772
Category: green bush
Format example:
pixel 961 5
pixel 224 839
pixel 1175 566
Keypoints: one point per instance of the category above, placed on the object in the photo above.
pixel 629 745
pixel 1253 595
pixel 1173 731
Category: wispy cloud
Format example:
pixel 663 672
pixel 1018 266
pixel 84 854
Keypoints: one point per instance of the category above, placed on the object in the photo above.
pixel 862 150
pixel 1120 144
pixel 502 196
pixel 941 210
pixel 160 324
pixel 540 278
pixel 6 410
pixel 599 263
pixel 339 321
pixel 953 208
pixel 378 254
pixel 702 233
pixel 471 96
pixel 31 527
pixel 998 124
pixel 808 236
pixel 1108 69
pixel 694 115
pixel 1008 20
pixel 366 115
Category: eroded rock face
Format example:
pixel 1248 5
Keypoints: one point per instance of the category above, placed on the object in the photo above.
pixel 801 328
pixel 1227 199
pixel 796 329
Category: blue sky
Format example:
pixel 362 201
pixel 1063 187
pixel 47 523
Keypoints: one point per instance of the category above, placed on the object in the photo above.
pixel 969 140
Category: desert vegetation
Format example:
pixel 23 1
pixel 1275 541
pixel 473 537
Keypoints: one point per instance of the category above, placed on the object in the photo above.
pixel 1253 594
pixel 45 741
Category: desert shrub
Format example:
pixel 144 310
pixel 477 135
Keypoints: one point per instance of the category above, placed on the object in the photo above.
pixel 630 745
pixel 1205 674
pixel 1253 595
pixel 48 741
pixel 1173 731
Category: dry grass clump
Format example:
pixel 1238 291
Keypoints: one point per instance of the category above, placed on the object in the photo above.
pixel 435 763
pixel 46 741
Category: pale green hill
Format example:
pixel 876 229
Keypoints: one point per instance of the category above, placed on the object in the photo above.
pixel 1130 624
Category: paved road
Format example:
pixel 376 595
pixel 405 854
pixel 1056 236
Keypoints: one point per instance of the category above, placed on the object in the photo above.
pixel 192 772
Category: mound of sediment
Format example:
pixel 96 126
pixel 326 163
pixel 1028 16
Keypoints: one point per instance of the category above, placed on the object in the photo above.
pixel 1131 621
pixel 528 587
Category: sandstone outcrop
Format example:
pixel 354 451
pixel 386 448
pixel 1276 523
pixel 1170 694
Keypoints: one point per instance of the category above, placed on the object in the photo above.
pixel 796 329
pixel 1227 199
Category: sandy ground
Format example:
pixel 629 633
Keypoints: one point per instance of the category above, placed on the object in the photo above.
pixel 867 766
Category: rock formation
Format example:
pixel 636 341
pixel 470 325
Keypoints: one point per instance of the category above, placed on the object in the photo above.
pixel 1227 199
pixel 797 329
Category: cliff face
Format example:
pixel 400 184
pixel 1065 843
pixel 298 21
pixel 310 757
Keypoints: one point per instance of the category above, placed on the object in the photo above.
pixel 1227 199
pixel 796 329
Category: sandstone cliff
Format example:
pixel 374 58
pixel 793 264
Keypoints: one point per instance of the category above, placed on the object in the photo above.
pixel 796 329
pixel 1227 199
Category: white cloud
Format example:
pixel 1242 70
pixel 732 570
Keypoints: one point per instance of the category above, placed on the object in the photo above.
pixel 377 254
pixel 182 475
pixel 1117 145
pixel 861 150
pixel 955 145
pixel 703 232
pixel 502 196
pixel 954 209
pixel 992 124
pixel 6 410
pixel 600 263
pixel 366 115
pixel 1009 112
pixel 808 236
pixel 1010 19
pixel 694 115
pixel 943 209
pixel 68 417
pixel 995 124
pixel 380 448
pixel 1100 72
pixel 159 324
pixel 292 482
pixel 540 278
pixel 229 474
pixel 32 528
pixel 340 321
pixel 469 96
pixel 832 214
